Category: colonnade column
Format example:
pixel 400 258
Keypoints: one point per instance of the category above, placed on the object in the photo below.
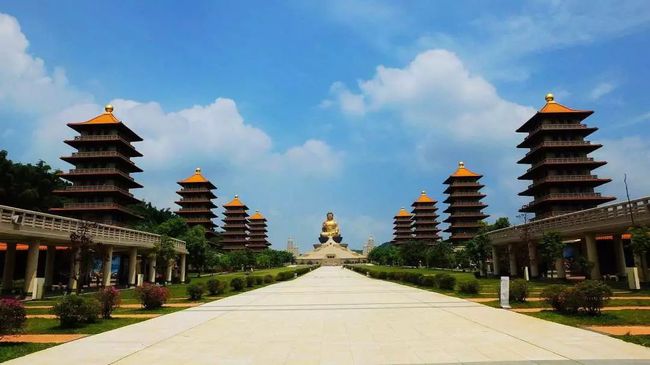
pixel 152 268
pixel 168 271
pixel 107 265
pixel 559 267
pixel 133 261
pixel 592 255
pixel 49 266
pixel 30 267
pixel 73 281
pixel 10 265
pixel 512 259
pixel 620 254
pixel 183 262
pixel 532 257
pixel 495 261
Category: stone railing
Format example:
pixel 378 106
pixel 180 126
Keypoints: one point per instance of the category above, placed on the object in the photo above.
pixel 98 170
pixel 623 211
pixel 99 232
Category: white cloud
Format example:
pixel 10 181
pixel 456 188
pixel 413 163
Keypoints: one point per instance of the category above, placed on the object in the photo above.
pixel 25 83
pixel 628 155
pixel 436 92
pixel 601 90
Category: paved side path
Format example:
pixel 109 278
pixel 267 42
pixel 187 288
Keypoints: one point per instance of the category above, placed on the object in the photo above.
pixel 335 316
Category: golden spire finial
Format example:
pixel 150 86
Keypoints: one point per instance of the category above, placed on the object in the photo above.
pixel 108 108
pixel 236 196
pixel 461 165
pixel 197 170
pixel 424 192
pixel 549 98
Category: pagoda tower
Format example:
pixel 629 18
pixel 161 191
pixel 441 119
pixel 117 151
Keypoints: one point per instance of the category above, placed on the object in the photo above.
pixel 562 181
pixel 101 176
pixel 465 206
pixel 402 231
pixel 425 225
pixel 235 230
pixel 257 236
pixel 196 201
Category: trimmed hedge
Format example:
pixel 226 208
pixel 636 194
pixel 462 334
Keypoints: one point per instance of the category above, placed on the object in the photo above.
pixel 237 284
pixel 216 287
pixel 195 291
pixel 469 287
pixel 589 296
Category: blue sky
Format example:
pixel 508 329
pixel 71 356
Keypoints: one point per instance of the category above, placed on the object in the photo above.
pixel 304 107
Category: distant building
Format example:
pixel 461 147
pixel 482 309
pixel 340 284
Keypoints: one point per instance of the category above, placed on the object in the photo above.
pixel 196 201
pixel 465 206
pixel 402 230
pixel 424 220
pixel 101 178
pixel 368 246
pixel 562 181
pixel 235 227
pixel 257 233
pixel 292 248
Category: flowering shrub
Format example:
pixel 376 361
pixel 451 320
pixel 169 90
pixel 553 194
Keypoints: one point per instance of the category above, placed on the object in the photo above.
pixel 109 299
pixel 12 316
pixel 152 296
pixel 73 310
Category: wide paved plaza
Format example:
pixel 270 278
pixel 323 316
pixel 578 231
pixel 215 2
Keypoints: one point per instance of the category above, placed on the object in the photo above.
pixel 335 316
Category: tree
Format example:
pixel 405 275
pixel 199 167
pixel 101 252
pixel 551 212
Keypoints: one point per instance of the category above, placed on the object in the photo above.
pixel 478 250
pixel 164 251
pixel 29 186
pixel 640 243
pixel 262 260
pixel 85 251
pixel 152 217
pixel 441 254
pixel 197 247
pixel 385 254
pixel 413 253
pixel 552 248
pixel 174 227
pixel 500 223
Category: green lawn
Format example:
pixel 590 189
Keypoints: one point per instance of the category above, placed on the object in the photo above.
pixel 43 326
pixel 11 350
pixel 643 340
pixel 610 318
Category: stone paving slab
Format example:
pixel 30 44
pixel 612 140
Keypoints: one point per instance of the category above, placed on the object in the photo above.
pixel 335 316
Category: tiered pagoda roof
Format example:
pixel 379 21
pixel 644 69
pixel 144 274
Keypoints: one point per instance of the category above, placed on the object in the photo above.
pixel 257 236
pixel 465 206
pixel 403 231
pixel 562 181
pixel 101 178
pixel 235 227
pixel 424 221
pixel 196 201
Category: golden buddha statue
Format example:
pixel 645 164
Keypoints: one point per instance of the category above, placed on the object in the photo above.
pixel 330 230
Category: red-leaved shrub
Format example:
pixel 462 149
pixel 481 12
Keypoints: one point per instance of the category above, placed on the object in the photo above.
pixel 152 296
pixel 109 298
pixel 12 316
